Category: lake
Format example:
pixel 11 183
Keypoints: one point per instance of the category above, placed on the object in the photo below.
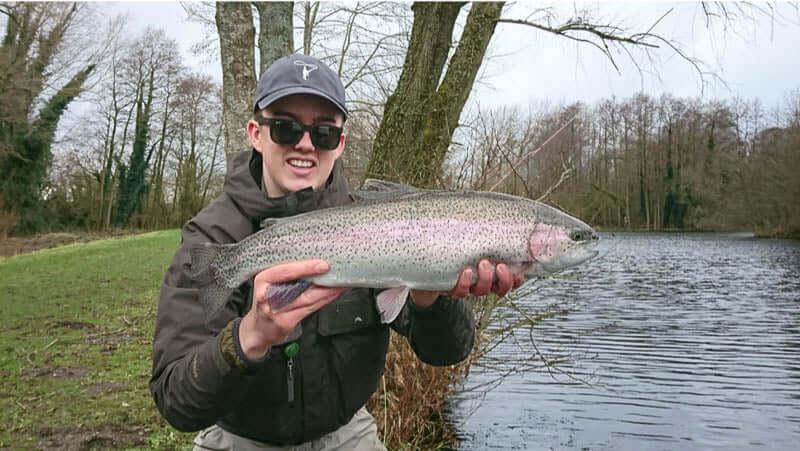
pixel 665 341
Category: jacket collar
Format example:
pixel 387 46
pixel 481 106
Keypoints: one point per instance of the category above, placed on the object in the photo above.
pixel 243 185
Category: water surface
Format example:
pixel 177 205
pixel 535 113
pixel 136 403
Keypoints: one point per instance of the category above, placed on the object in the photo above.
pixel 671 341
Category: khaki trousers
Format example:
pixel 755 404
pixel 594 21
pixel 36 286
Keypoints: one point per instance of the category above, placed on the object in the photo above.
pixel 360 434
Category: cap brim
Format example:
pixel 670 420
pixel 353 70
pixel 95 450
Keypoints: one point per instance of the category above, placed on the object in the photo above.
pixel 275 96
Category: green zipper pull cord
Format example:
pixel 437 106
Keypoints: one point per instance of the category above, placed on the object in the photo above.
pixel 290 351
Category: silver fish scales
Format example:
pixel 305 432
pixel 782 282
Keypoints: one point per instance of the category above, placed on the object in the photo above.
pixel 416 240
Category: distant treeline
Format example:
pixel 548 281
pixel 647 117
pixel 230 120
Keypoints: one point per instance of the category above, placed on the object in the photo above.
pixel 646 163
pixel 636 163
pixel 146 149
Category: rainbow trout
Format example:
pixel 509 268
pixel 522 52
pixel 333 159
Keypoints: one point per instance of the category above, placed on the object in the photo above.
pixel 410 240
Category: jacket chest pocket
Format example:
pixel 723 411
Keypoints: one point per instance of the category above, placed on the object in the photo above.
pixel 353 311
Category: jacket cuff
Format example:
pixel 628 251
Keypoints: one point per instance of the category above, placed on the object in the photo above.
pixel 431 309
pixel 231 349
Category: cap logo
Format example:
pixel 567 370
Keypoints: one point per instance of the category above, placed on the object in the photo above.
pixel 307 68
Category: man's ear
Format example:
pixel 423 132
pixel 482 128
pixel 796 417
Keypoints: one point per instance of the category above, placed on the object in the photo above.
pixel 340 149
pixel 254 133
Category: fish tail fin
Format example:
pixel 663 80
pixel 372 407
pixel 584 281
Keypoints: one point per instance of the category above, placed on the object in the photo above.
pixel 212 294
pixel 391 302
pixel 203 269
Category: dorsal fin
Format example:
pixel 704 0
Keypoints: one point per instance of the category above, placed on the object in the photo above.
pixel 385 185
pixel 269 222
pixel 376 190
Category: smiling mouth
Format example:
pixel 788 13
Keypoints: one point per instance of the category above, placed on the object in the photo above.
pixel 301 163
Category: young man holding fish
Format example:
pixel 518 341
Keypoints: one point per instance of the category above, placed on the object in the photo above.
pixel 255 378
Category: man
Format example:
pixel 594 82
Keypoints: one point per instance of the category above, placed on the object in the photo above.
pixel 257 379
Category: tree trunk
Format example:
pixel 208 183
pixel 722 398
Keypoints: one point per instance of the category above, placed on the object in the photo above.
pixel 421 115
pixel 407 110
pixel 309 20
pixel 236 41
pixel 451 96
pixel 275 34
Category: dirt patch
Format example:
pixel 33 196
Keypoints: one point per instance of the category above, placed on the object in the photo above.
pixel 20 245
pixel 56 372
pixel 75 325
pixel 83 437
pixel 111 340
pixel 105 388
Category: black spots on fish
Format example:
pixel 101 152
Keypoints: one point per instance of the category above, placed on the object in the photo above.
pixel 414 234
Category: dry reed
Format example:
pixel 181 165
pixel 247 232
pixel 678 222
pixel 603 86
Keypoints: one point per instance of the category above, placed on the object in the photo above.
pixel 408 404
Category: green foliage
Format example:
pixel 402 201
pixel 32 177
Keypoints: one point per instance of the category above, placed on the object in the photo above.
pixel 22 174
pixel 34 35
pixel 132 180
pixel 76 335
pixel 23 169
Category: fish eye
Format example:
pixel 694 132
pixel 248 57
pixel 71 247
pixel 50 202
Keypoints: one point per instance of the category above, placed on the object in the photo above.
pixel 579 235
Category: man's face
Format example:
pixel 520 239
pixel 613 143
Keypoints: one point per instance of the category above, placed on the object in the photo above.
pixel 289 168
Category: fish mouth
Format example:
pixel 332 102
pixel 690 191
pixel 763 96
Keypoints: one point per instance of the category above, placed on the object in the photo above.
pixel 575 255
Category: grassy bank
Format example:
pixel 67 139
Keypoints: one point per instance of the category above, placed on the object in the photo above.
pixel 76 347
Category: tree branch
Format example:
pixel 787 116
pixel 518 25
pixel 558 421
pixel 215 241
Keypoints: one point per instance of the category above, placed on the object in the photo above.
pixel 530 154
pixel 606 34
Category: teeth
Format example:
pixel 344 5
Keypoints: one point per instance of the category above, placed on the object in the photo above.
pixel 301 163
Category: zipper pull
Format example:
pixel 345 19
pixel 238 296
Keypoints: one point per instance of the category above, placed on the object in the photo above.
pixel 290 351
pixel 290 380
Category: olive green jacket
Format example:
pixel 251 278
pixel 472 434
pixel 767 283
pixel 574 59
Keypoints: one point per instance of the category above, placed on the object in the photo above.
pixel 200 376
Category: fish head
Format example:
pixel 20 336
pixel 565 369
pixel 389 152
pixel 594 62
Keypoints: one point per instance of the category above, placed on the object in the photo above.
pixel 560 243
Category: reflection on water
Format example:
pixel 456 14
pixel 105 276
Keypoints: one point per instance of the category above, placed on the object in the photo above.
pixel 690 341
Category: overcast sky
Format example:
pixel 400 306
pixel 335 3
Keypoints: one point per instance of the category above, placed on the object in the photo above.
pixel 756 60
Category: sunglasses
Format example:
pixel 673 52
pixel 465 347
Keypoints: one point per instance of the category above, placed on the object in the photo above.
pixel 287 132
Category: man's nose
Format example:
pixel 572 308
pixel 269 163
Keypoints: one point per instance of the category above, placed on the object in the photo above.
pixel 305 143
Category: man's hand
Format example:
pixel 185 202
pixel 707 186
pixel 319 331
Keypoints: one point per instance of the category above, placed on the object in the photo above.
pixel 262 328
pixel 498 280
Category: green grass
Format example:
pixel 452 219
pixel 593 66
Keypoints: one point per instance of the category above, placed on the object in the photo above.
pixel 75 345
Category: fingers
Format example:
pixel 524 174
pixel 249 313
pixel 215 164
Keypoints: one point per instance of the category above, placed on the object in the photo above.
pixel 462 286
pixel 292 271
pixel 309 302
pixel 498 280
pixel 504 280
pixel 314 298
pixel 485 275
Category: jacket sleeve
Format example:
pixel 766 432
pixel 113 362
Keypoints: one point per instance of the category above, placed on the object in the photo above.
pixel 442 334
pixel 193 384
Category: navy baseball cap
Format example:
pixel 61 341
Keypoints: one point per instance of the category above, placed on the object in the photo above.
pixel 299 74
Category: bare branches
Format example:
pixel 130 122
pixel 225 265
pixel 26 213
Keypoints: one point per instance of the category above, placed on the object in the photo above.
pixel 531 154
pixel 564 176
pixel 607 34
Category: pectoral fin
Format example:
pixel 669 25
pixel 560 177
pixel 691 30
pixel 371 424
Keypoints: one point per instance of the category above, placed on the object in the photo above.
pixel 390 302
pixel 279 295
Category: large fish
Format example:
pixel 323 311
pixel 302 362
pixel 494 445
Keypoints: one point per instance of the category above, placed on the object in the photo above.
pixel 406 239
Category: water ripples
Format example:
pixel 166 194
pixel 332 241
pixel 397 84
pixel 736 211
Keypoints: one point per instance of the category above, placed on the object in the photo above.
pixel 688 341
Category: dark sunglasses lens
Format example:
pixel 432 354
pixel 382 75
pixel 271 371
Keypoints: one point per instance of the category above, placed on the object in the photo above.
pixel 325 137
pixel 286 132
